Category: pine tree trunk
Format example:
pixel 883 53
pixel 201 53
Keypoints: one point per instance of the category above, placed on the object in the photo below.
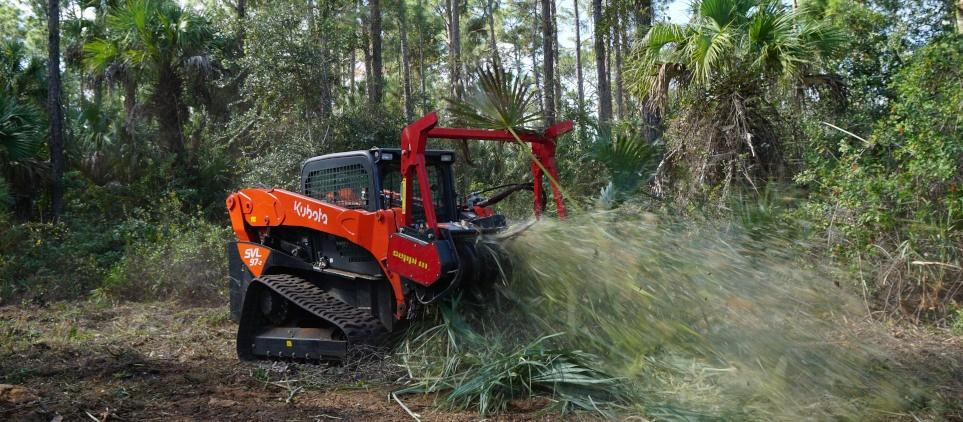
pixel 617 69
pixel 405 62
pixel 241 9
pixel 517 54
pixel 355 42
pixel 54 111
pixel 171 113
pixel 421 58
pixel 365 47
pixel 492 40
pixel 130 103
pixel 644 16
pixel 578 60
pixel 353 58
pixel 376 91
pixel 558 76
pixel 539 92
pixel 548 64
pixel 626 52
pixel 454 47
pixel 604 90
pixel 326 72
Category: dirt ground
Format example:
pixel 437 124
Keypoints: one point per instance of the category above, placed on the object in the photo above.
pixel 79 361
pixel 161 361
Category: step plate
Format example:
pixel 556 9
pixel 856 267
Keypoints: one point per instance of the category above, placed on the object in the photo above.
pixel 298 343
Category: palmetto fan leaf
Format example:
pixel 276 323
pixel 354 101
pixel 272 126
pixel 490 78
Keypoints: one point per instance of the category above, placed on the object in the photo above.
pixel 20 136
pixel 149 34
pixel 501 101
pixel 725 12
pixel 736 40
pixel 629 159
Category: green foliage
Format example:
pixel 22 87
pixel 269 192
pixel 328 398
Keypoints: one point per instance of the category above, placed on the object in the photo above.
pixel 20 130
pixel 501 101
pixel 164 46
pixel 733 37
pixel 6 199
pixel 630 162
pixel 149 36
pixel 897 194
pixel 21 139
pixel 117 246
pixel 474 370
pixel 285 63
pixel 23 75
pixel 957 327
pixel 278 164
pixel 736 63
pixel 176 256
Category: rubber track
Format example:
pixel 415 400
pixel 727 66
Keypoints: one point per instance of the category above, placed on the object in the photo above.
pixel 358 325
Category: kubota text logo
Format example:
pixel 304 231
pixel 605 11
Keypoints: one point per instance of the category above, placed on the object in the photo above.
pixel 408 259
pixel 304 210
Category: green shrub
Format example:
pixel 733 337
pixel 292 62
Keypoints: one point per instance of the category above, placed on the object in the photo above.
pixel 49 262
pixel 118 245
pixel 957 327
pixel 892 204
pixel 179 257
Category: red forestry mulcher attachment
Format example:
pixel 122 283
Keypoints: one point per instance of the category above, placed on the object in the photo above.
pixel 372 236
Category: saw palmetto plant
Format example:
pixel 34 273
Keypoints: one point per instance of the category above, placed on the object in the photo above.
pixel 720 71
pixel 21 139
pixel 503 101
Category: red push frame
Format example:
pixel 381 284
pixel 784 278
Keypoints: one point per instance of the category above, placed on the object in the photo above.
pixel 414 140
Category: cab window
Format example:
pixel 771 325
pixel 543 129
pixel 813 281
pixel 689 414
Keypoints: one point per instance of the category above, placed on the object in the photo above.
pixel 391 192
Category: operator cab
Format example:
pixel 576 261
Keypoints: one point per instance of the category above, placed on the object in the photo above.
pixel 371 180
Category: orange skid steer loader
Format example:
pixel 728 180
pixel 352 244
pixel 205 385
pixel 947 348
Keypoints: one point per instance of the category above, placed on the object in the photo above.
pixel 372 237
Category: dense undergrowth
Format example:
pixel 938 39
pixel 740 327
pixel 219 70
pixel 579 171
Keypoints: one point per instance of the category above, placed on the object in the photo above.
pixel 116 248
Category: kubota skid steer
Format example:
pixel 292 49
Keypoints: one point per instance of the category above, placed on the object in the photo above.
pixel 372 236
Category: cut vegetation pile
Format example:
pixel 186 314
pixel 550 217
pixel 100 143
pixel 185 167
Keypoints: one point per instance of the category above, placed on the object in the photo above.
pixel 625 312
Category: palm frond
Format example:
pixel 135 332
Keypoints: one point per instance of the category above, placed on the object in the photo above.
pixel 500 101
pixel 477 372
pixel 20 130
pixel 100 54
pixel 645 73
pixel 629 159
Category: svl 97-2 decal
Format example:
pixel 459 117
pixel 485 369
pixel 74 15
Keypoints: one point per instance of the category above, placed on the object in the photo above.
pixel 254 257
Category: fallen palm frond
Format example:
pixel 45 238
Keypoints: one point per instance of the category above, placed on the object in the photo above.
pixel 472 371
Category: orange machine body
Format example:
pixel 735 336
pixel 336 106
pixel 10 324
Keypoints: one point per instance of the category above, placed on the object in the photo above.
pixel 252 210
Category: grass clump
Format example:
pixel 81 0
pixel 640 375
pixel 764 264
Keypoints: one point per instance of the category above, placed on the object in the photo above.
pixel 476 367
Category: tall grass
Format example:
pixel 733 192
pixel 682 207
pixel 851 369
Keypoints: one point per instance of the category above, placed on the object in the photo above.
pixel 666 319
